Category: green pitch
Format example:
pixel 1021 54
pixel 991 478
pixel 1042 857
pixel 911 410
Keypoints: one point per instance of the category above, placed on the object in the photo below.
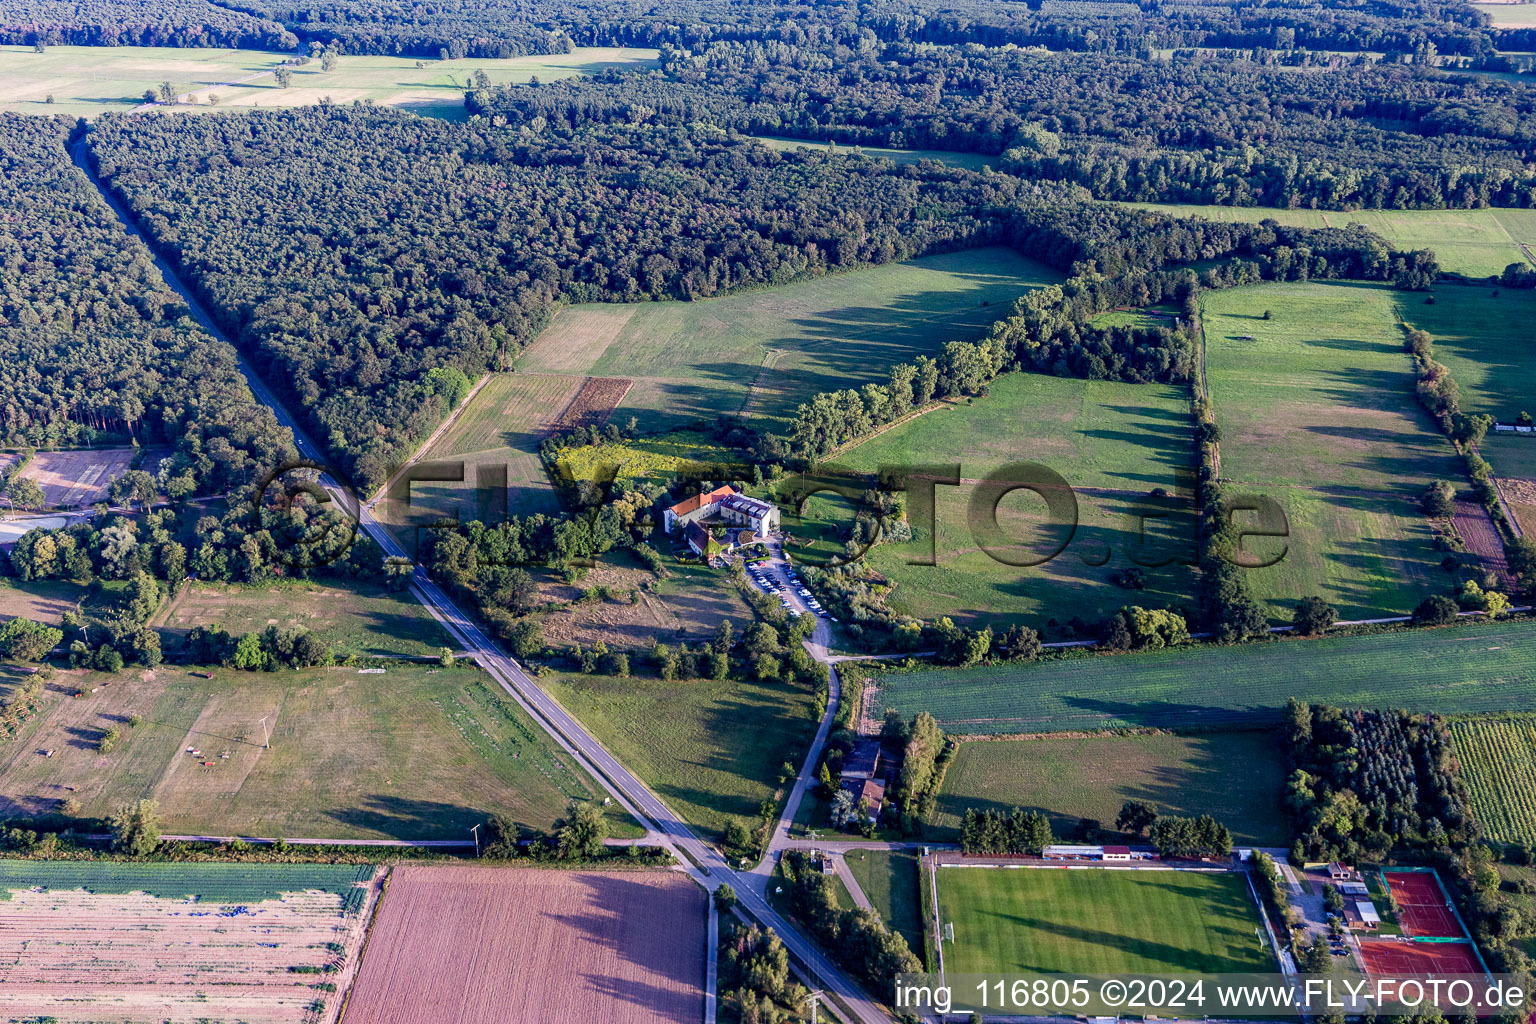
pixel 1098 921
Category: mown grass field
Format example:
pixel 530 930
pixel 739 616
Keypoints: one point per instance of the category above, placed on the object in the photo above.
pixel 91 80
pixel 1486 341
pixel 889 880
pixel 711 749
pixel 1317 411
pixel 1111 442
pixel 764 352
pixel 1498 764
pixel 1098 922
pixel 1511 456
pixel 414 753
pixel 1476 243
pixel 1509 15
pixel 1483 667
pixel 1236 777
pixel 354 616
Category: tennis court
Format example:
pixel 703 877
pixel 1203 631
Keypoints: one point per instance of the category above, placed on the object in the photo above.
pixel 1424 910
pixel 1418 959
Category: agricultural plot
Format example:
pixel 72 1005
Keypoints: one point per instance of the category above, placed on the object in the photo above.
pixel 1097 921
pixel 1236 777
pixel 70 479
pixel 765 352
pixel 91 80
pixel 686 606
pixel 711 749
pixel 1475 243
pixel 499 431
pixel 354 616
pixel 1484 667
pixel 1498 764
pixel 658 458
pixel 476 945
pixel 1317 412
pixel 266 944
pixel 1520 493
pixel 1112 442
pixel 1485 340
pixel 411 753
pixel 1509 13
pixel 39 600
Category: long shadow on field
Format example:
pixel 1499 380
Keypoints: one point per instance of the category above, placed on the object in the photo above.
pixel 657 928
pixel 1168 714
pixel 395 817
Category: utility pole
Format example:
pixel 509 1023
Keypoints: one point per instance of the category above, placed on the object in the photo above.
pixel 266 734
pixel 476 833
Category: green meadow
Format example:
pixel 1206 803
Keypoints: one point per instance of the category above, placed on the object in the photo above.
pixel 763 352
pixel 1112 443
pixel 1317 412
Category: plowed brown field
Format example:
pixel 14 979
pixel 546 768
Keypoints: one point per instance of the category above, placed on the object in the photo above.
pixel 485 945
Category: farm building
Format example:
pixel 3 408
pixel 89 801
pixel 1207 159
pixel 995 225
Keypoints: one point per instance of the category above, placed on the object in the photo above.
pixel 869 792
pixel 692 510
pixel 863 761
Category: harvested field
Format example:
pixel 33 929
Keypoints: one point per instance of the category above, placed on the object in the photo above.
pixel 1521 496
pixel 1481 537
pixel 594 403
pixel 687 605
pixel 40 600
pixel 105 941
pixel 77 477
pixel 417 752
pixel 479 945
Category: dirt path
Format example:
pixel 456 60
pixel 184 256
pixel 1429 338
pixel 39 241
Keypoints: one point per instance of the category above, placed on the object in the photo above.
pixel 442 428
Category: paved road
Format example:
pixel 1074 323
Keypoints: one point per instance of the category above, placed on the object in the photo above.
pixel 704 864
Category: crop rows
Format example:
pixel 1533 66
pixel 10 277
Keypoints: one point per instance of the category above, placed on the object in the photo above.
pixel 209 883
pixel 1498 764
pixel 1487 667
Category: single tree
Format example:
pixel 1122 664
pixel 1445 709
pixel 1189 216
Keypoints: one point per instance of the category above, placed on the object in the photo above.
pixel 25 493
pixel 136 828
pixel 283 76
pixel 1313 616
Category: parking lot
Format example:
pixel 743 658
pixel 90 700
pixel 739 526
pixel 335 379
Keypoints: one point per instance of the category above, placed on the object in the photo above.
pixel 774 575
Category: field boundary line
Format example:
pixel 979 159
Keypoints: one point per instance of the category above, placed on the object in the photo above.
pixel 433 437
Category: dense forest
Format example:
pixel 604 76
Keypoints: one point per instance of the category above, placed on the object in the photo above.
pixel 94 347
pixel 493 28
pixel 1198 127
pixel 1367 783
pixel 360 253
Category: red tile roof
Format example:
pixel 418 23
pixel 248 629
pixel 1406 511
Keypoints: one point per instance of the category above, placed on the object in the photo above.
pixel 698 501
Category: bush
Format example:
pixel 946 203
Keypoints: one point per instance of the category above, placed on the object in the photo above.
pixel 1314 616
pixel 1436 610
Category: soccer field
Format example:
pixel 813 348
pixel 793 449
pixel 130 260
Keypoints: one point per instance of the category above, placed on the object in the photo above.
pixel 1098 921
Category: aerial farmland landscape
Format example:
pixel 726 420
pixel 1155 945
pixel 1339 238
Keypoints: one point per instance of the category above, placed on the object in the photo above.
pixel 754 511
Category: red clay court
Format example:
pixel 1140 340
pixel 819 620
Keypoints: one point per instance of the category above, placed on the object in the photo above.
pixel 1423 907
pixel 1419 959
